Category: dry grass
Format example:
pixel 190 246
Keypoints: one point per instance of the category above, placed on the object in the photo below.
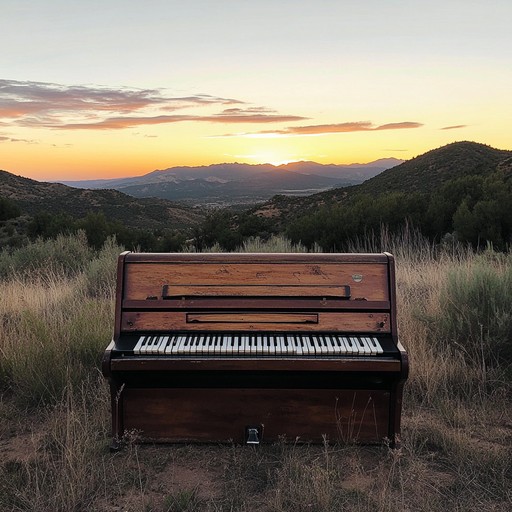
pixel 54 415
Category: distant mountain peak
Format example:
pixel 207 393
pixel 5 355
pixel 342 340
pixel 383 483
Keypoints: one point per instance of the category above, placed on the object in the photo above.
pixel 237 183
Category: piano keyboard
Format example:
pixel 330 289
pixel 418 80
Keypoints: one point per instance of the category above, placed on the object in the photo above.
pixel 258 345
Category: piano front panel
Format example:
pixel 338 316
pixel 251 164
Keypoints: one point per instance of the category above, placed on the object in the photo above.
pixel 165 321
pixel 223 414
pixel 366 280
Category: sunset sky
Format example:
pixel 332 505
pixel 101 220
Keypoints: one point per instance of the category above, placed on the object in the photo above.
pixel 100 89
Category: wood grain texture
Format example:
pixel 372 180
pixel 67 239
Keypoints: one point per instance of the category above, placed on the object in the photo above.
pixel 366 280
pixel 206 415
pixel 167 321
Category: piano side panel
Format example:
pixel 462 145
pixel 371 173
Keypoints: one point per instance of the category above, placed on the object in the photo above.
pixel 168 321
pixel 366 280
pixel 221 415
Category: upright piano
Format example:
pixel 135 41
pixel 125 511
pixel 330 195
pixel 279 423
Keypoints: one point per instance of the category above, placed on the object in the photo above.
pixel 249 348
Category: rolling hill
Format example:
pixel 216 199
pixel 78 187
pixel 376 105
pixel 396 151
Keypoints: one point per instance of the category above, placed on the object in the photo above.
pixel 35 197
pixel 423 173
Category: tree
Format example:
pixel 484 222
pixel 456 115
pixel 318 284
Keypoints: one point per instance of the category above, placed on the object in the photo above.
pixel 8 209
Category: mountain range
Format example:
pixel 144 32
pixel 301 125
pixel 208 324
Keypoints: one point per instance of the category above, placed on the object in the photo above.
pixel 234 183
pixel 424 173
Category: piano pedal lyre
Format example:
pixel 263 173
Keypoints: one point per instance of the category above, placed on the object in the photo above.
pixel 253 434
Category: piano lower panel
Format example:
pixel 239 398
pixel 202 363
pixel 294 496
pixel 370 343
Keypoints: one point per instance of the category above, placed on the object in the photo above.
pixel 334 321
pixel 222 415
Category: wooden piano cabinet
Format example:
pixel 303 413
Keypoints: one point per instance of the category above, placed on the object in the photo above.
pixel 203 415
pixel 190 392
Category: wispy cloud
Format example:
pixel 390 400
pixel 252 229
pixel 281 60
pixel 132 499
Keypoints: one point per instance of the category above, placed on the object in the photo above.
pixel 4 138
pixel 326 129
pixel 115 123
pixel 455 127
pixel 48 105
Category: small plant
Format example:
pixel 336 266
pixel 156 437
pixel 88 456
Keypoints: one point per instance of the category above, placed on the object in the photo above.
pixel 186 500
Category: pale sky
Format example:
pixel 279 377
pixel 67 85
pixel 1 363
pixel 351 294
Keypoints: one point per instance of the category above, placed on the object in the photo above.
pixel 92 89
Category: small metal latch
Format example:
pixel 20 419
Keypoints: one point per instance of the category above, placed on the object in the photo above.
pixel 253 434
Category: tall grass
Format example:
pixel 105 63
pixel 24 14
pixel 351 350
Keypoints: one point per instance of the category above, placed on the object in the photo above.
pixel 54 319
pixel 57 316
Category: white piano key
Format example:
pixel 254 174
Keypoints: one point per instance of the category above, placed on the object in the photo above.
pixel 242 347
pixel 185 347
pixel 279 348
pixel 203 344
pixel 153 349
pixel 341 344
pixel 136 349
pixel 359 346
pixel 282 346
pixel 224 345
pixel 264 345
pixel 180 349
pixel 361 349
pixel 331 346
pixel 293 348
pixel 259 345
pixel 146 346
pixel 331 340
pixel 369 344
pixel 316 344
pixel 209 345
pixel 218 345
pixel 375 343
pixel 163 344
pixel 307 346
pixel 367 348
pixel 351 348
pixel 289 348
pixel 235 345
pixel 323 346
pixel 272 344
pixel 194 345
pixel 170 345
pixel 364 346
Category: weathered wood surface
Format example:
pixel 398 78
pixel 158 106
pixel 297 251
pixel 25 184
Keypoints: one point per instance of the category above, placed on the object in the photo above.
pixel 344 293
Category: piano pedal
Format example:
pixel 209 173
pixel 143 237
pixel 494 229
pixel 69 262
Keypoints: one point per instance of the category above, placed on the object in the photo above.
pixel 253 434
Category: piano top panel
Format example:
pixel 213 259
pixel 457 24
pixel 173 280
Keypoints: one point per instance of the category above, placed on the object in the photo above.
pixel 339 277
pixel 179 257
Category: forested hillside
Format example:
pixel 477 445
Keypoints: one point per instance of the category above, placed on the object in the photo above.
pixel 461 192
pixel 458 193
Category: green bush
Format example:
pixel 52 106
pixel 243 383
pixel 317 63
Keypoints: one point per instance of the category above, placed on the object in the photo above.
pixel 476 312
pixel 64 255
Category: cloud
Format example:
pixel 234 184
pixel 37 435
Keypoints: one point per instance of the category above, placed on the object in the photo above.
pixel 454 127
pixel 325 129
pixel 4 138
pixel 116 123
pixel 49 105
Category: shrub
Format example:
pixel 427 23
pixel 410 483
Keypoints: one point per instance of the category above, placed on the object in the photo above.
pixel 475 313
pixel 65 255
